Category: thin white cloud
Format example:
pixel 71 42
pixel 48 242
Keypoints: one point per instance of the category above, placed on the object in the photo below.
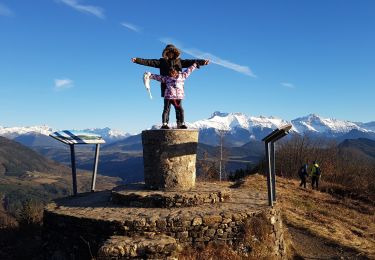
pixel 5 11
pixel 61 84
pixel 213 58
pixel 90 9
pixel 131 27
pixel 287 84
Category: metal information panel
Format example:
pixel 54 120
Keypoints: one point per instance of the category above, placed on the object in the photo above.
pixel 72 138
pixel 77 137
pixel 269 141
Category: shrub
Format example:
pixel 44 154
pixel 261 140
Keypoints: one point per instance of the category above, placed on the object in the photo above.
pixel 30 215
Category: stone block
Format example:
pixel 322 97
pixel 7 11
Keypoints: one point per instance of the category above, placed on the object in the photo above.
pixel 155 246
pixel 197 221
pixel 212 219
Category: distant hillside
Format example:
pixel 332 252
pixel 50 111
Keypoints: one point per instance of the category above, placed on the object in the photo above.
pixel 128 168
pixel 25 174
pixel 356 134
pixel 124 158
pixel 251 151
pixel 131 143
pixel 369 125
pixel 16 159
pixel 361 145
pixel 35 140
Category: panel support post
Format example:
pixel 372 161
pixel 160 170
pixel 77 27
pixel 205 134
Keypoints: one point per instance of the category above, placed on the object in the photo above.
pixel 95 169
pixel 74 173
pixel 269 180
pixel 273 174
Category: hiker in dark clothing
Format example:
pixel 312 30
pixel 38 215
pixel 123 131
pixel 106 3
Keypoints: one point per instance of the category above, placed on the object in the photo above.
pixel 170 60
pixel 303 174
pixel 315 175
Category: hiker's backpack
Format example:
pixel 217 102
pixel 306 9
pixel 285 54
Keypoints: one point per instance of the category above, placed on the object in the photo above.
pixel 302 171
pixel 317 171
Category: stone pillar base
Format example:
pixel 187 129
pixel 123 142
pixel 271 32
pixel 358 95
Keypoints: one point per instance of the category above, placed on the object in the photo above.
pixel 169 158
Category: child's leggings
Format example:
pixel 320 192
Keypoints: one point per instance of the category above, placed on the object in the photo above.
pixel 177 103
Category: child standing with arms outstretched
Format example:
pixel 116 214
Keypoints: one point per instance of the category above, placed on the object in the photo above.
pixel 174 94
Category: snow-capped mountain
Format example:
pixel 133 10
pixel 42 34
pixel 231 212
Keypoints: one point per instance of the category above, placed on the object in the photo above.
pixel 309 123
pixel 238 128
pixel 13 132
pixel 108 134
pixel 241 128
pixel 18 133
pixel 328 126
pixel 231 121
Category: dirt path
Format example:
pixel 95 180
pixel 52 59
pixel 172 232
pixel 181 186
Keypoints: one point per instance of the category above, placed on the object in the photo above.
pixel 308 246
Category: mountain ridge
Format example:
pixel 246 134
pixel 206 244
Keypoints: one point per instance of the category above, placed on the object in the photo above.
pixel 239 129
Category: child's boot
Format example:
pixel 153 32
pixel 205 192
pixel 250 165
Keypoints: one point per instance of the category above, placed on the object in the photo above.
pixel 181 126
pixel 164 126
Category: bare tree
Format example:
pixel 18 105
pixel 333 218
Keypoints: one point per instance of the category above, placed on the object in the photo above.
pixel 207 168
pixel 221 151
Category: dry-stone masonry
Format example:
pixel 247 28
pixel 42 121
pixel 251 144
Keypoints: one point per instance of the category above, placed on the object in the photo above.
pixel 169 158
pixel 135 195
pixel 90 224
pixel 145 247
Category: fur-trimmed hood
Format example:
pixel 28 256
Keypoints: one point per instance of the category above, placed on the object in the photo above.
pixel 171 48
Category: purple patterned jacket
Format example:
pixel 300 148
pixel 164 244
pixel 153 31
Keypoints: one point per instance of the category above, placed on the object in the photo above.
pixel 175 86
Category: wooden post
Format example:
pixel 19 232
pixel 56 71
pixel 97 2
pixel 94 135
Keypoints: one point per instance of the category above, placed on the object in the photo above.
pixel 74 173
pixel 95 169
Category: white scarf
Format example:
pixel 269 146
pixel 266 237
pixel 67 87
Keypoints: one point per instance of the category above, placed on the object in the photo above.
pixel 146 82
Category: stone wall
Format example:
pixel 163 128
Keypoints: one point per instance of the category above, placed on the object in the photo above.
pixel 72 237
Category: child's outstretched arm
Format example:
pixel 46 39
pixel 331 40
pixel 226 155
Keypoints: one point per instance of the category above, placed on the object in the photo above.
pixel 188 63
pixel 147 62
pixel 160 78
pixel 189 70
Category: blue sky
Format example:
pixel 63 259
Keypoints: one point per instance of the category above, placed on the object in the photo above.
pixel 66 63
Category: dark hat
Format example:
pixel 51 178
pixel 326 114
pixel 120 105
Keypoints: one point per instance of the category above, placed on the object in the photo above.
pixel 171 48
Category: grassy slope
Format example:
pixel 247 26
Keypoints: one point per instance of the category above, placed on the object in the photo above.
pixel 344 224
pixel 46 186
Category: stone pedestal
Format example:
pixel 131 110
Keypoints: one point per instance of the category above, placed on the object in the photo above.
pixel 169 158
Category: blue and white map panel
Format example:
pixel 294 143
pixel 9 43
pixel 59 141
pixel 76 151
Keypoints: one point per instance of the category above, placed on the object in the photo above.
pixel 77 137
